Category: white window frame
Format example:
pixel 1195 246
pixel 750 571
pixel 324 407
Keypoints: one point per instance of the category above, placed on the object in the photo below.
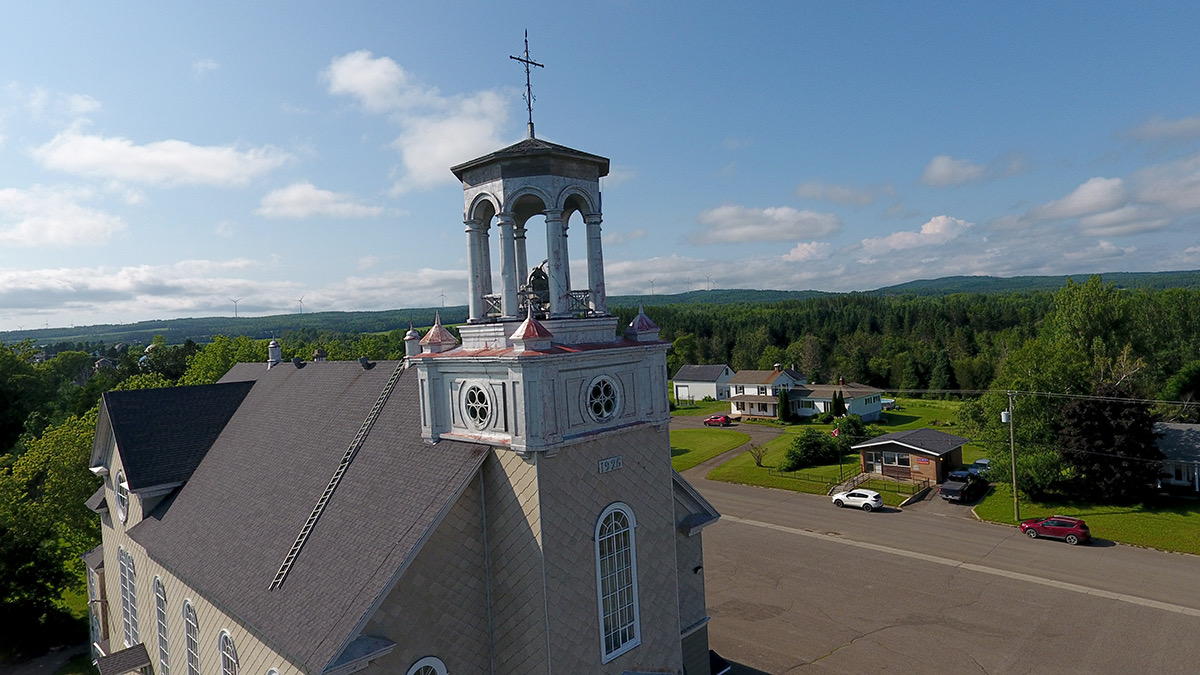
pixel 122 496
pixel 160 615
pixel 191 638
pixel 430 665
pixel 128 583
pixel 228 651
pixel 607 630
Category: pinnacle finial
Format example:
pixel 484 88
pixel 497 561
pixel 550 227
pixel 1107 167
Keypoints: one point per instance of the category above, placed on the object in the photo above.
pixel 528 88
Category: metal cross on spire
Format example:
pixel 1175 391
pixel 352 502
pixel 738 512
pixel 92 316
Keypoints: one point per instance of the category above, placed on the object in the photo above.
pixel 528 89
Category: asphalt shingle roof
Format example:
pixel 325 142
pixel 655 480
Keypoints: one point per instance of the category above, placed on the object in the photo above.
pixel 1179 442
pixel 691 373
pixel 162 434
pixel 124 661
pixel 227 531
pixel 763 376
pixel 930 441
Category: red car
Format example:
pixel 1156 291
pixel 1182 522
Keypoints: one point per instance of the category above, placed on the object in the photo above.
pixel 718 421
pixel 1070 530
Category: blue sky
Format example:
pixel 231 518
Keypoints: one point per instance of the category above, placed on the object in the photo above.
pixel 158 160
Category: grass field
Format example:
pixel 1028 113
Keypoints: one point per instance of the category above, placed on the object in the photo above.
pixel 1168 528
pixel 690 447
pixel 704 408
pixel 914 414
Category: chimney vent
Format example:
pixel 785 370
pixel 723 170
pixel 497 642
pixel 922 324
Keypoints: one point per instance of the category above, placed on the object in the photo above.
pixel 365 363
pixel 298 362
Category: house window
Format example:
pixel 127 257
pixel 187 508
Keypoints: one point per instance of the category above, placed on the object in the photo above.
pixel 129 620
pixel 616 582
pixel 229 658
pixel 808 404
pixel 430 665
pixel 895 458
pixel 762 391
pixel 122 492
pixel 741 390
pixel 160 613
pixel 191 638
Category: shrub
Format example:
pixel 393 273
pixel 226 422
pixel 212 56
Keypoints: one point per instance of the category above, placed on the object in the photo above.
pixel 708 399
pixel 825 417
pixel 812 448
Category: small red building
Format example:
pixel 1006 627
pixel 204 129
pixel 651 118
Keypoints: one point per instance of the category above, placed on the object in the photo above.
pixel 917 454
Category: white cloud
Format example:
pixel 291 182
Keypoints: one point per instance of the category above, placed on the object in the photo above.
pixel 622 237
pixel 1094 196
pixel 224 229
pixel 731 224
pixel 1129 219
pixel 379 84
pixel 944 170
pixel 842 194
pixel 1099 252
pixel 617 175
pixel 437 131
pixel 1175 185
pixel 938 230
pixel 1162 129
pixel 202 67
pixel 53 217
pixel 305 200
pixel 805 252
pixel 39 102
pixel 168 162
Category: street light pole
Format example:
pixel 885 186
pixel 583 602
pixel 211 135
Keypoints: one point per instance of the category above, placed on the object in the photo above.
pixel 1012 448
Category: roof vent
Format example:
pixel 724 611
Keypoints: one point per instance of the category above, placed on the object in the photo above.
pixel 365 363
pixel 298 362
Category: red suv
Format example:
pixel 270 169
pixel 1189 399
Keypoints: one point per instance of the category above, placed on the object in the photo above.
pixel 718 421
pixel 1070 530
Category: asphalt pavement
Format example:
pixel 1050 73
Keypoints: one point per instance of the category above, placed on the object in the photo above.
pixel 796 585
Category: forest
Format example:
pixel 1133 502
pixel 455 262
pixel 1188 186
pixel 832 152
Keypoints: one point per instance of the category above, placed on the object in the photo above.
pixel 1091 365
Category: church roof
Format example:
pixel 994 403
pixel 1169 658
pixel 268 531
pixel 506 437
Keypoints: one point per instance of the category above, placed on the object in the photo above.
pixel 438 335
pixel 531 147
pixel 227 531
pixel 163 434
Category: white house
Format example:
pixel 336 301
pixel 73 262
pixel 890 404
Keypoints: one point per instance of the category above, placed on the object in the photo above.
pixel 861 400
pixel 1181 445
pixel 755 393
pixel 695 382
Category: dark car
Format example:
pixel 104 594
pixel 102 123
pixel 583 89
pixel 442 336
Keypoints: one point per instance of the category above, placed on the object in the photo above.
pixel 1070 530
pixel 981 467
pixel 963 486
pixel 718 421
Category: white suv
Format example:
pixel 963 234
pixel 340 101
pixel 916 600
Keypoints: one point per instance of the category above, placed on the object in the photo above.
pixel 867 500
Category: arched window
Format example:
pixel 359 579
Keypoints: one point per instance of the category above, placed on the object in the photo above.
pixel 122 492
pixel 191 638
pixel 229 659
pixel 616 582
pixel 128 583
pixel 430 665
pixel 160 614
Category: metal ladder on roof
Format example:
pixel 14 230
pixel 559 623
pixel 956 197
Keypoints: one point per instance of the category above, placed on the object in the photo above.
pixel 348 457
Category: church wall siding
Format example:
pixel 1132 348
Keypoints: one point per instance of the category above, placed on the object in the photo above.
pixel 573 494
pixel 515 552
pixel 689 553
pixel 439 607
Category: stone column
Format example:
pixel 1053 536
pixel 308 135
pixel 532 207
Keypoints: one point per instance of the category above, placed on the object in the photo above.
pixel 522 259
pixel 508 267
pixel 595 258
pixel 478 270
pixel 559 266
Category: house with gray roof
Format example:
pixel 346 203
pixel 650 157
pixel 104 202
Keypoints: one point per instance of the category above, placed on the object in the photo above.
pixel 1181 445
pixel 915 454
pixel 693 383
pixel 498 501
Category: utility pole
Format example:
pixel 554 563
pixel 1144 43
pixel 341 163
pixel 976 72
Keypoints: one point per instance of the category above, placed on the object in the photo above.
pixel 1012 449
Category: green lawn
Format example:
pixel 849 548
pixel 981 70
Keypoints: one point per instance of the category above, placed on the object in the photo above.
pixel 690 447
pixel 915 414
pixel 705 408
pixel 80 665
pixel 1170 529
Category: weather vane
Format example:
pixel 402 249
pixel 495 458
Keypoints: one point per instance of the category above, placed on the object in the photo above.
pixel 528 89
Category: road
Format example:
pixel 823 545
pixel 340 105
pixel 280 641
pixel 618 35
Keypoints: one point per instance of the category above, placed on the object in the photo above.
pixel 795 585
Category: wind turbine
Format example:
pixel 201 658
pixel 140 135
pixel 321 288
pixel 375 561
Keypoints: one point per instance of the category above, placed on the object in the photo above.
pixel 709 280
pixel 301 301
pixel 235 302
pixel 689 284
pixel 651 287
pixel 443 297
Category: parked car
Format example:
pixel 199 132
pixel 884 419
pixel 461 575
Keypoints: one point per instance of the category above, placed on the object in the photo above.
pixel 867 500
pixel 981 467
pixel 718 421
pixel 963 486
pixel 1070 530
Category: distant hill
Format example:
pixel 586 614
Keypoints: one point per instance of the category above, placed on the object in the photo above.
pixel 1029 284
pixel 203 329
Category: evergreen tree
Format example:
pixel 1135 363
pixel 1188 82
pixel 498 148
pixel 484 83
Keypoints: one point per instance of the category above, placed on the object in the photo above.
pixel 1111 446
